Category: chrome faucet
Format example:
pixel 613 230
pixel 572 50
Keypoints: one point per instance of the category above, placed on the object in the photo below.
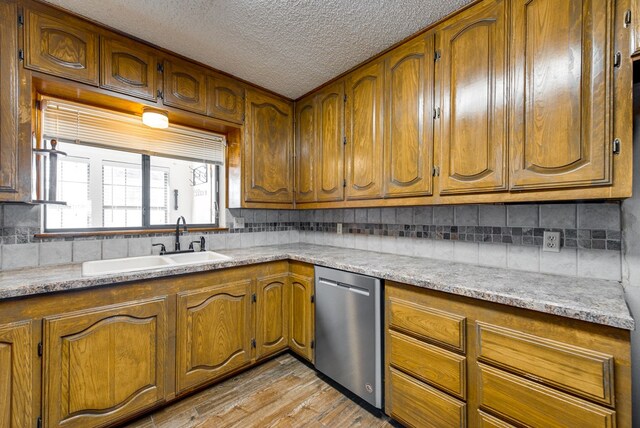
pixel 184 222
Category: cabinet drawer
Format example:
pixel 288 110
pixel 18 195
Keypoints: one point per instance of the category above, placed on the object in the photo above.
pixel 416 404
pixel 488 421
pixel 531 404
pixel 581 371
pixel 429 363
pixel 431 324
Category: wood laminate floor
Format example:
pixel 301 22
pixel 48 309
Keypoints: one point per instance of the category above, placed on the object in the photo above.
pixel 282 392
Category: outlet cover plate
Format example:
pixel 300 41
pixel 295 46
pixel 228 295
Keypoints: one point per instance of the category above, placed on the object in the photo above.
pixel 551 242
pixel 339 228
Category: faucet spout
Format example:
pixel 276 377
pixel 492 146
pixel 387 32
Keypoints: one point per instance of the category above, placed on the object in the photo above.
pixel 184 228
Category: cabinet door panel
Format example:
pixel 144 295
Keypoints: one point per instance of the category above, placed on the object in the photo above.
pixel 15 375
pixel 128 67
pixel 364 132
pixel 473 75
pixel 268 149
pixel 409 127
pixel 301 322
pixel 225 98
pixel 330 108
pixel 306 150
pixel 272 321
pixel 185 86
pixel 64 47
pixel 214 333
pixel 561 93
pixel 104 364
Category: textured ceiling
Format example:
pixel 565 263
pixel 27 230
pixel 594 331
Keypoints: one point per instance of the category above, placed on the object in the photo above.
pixel 287 46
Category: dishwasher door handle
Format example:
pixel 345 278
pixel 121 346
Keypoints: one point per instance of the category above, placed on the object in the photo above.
pixel 345 287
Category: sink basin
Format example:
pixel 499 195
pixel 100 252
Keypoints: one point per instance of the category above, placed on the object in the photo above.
pixel 128 264
pixel 131 264
pixel 199 257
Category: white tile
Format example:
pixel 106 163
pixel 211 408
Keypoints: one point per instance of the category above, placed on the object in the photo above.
pixel 55 253
pixel 423 248
pixel 465 252
pixel 115 248
pixel 388 244
pixel 83 251
pixel 563 263
pixel 16 256
pixel 523 258
pixel 234 240
pixel 361 242
pixel 374 243
pixel 283 237
pixel 443 250
pixel 141 246
pixel 349 241
pixel 246 240
pixel 404 246
pixel 294 236
pixel 494 255
pixel 217 241
pixel 602 264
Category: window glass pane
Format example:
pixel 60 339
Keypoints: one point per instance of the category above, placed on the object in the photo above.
pixel 195 183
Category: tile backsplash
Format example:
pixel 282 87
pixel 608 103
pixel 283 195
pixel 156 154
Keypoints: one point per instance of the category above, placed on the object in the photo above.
pixel 508 236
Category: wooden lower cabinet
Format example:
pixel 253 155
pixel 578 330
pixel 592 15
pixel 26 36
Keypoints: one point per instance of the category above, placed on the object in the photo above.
pixel 515 367
pixel 16 372
pixel 272 315
pixel 213 334
pixel 105 363
pixel 302 311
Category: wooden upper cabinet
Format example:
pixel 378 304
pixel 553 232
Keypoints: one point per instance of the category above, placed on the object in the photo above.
pixel 330 128
pixel 272 314
pixel 104 364
pixel 301 318
pixel 306 150
pixel 363 121
pixel 472 74
pixel 16 373
pixel 408 141
pixel 268 150
pixel 128 67
pixel 562 66
pixel 185 86
pixel 225 98
pixel 213 334
pixel 61 45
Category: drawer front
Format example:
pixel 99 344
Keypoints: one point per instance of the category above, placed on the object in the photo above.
pixel 416 404
pixel 535 405
pixel 428 363
pixel 487 421
pixel 581 371
pixel 431 324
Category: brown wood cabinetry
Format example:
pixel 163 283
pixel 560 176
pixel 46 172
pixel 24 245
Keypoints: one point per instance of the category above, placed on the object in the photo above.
pixel 268 150
pixel 16 373
pixel 306 145
pixel 102 364
pixel 272 314
pixel 408 140
pixel 225 98
pixel 330 143
pixel 523 368
pixel 128 67
pixel 561 93
pixel 471 116
pixel 364 131
pixel 214 333
pixel 185 86
pixel 301 311
pixel 61 45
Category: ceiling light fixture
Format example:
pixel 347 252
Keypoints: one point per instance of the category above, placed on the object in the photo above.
pixel 154 118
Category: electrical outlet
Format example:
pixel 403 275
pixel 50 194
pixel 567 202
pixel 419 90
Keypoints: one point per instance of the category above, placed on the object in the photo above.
pixel 551 242
pixel 238 222
pixel 339 228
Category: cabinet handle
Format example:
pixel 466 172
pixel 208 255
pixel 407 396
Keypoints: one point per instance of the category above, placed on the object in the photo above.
pixel 617 60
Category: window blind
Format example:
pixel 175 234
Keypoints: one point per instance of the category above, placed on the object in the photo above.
pixel 71 122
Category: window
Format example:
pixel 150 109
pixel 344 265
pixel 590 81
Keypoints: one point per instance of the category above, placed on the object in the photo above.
pixel 113 180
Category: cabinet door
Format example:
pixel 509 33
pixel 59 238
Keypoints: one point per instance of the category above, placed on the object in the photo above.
pixel 364 131
pixel 272 315
pixel 225 98
pixel 408 153
pixel 330 108
pixel 214 333
pixel 268 149
pixel 16 375
pixel 472 72
pixel 301 319
pixel 128 67
pixel 561 61
pixel 62 46
pixel 185 86
pixel 306 150
pixel 104 364
pixel 15 154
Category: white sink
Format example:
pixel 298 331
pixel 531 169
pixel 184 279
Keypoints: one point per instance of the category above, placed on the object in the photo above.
pixel 131 264
pixel 199 257
pixel 128 264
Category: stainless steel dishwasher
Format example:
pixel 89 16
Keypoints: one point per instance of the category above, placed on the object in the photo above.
pixel 349 331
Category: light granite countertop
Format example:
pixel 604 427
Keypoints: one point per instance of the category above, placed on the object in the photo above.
pixel 593 300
